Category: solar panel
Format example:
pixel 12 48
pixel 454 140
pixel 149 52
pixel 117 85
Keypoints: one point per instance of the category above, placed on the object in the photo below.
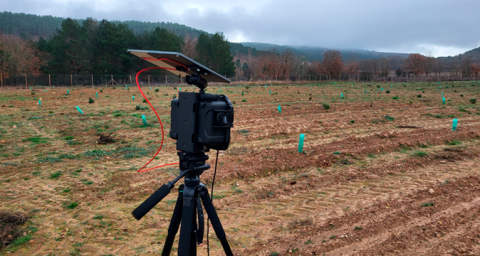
pixel 174 62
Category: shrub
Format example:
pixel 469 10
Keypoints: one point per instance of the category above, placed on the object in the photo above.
pixel 326 106
pixel 144 101
pixel 473 100
pixel 453 142
pixel 420 153
pixel 389 118
pixel 71 206
pixel 55 175
pixel 90 100
pixel 140 107
pixel 395 98
pixel 157 90
pixel 387 91
pixel 427 204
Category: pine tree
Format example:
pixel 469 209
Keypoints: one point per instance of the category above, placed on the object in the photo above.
pixel 111 45
pixel 214 52
pixel 222 60
pixel 68 53
pixel 164 40
pixel 204 50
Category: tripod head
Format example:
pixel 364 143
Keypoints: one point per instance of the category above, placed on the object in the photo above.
pixel 193 163
pixel 197 80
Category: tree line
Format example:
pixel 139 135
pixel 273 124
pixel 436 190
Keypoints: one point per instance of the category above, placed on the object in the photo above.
pixel 271 65
pixel 100 47
pixel 33 26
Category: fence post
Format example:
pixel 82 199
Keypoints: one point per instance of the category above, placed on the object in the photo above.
pixel 1 78
pixel 49 80
pixel 130 79
pixel 26 82
pixel 71 80
pixel 91 75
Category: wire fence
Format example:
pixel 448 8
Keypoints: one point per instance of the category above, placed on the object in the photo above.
pixel 89 80
pixel 26 80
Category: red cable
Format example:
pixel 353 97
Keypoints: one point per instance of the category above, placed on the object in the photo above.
pixel 161 125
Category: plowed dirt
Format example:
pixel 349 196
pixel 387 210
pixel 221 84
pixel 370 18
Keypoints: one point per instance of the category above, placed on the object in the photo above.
pixel 378 175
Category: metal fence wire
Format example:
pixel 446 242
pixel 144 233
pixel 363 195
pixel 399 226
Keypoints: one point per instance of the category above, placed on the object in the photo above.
pixel 165 78
pixel 89 80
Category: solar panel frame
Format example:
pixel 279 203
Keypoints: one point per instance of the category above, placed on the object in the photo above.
pixel 194 67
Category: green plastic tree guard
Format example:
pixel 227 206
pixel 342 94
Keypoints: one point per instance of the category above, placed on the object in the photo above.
pixel 300 143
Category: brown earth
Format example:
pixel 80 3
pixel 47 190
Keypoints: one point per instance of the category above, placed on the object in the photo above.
pixel 377 176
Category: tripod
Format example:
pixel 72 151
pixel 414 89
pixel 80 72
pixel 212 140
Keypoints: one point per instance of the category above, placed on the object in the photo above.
pixel 186 208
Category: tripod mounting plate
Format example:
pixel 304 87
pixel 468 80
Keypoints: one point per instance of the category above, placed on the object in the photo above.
pixel 161 59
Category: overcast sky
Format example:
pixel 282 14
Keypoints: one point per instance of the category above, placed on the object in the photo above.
pixel 441 27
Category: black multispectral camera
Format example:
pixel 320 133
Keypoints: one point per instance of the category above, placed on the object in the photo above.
pixel 201 121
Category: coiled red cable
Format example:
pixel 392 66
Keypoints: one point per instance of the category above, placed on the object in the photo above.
pixel 161 125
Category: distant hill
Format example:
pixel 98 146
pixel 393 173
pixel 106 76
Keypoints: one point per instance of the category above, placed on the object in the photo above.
pixel 30 25
pixel 22 24
pixel 35 26
pixel 268 47
pixel 316 53
pixel 473 54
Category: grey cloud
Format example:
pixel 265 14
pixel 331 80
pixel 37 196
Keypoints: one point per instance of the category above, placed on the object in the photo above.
pixel 407 25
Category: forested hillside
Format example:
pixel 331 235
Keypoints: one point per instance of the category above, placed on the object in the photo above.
pixel 316 53
pixel 100 47
pixel 474 56
pixel 28 24
pixel 45 26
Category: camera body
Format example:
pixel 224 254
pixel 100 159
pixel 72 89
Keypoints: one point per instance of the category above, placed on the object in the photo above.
pixel 201 121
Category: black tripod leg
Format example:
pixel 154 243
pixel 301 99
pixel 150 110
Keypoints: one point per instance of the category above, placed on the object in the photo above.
pixel 186 230
pixel 217 226
pixel 174 223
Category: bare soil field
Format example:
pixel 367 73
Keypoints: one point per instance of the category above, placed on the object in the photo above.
pixel 381 172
